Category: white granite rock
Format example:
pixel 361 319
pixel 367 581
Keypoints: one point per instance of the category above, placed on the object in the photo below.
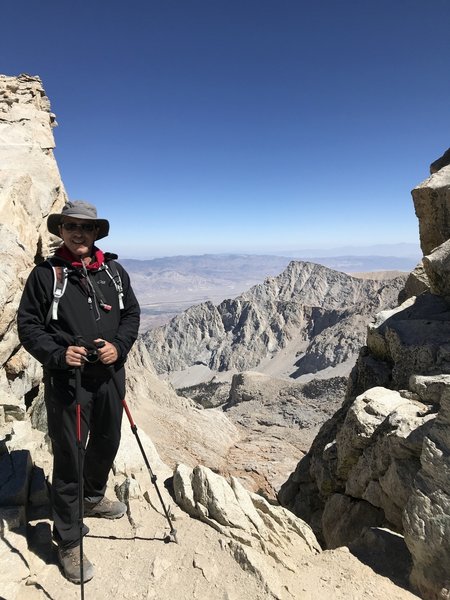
pixel 30 188
pixel 427 512
pixel 432 204
pixel 267 540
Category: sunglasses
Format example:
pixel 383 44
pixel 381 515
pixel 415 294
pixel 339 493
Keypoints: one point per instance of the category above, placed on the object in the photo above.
pixel 89 227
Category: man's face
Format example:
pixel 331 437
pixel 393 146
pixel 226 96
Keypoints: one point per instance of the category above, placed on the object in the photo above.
pixel 80 239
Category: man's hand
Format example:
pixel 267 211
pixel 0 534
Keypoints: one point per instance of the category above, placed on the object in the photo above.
pixel 107 353
pixel 75 355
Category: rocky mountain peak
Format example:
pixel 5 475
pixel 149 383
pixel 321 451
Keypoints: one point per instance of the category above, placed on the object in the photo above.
pixel 304 307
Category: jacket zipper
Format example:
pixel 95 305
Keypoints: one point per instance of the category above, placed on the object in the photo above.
pixel 91 301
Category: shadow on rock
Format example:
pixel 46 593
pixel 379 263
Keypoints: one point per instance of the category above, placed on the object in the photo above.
pixel 386 553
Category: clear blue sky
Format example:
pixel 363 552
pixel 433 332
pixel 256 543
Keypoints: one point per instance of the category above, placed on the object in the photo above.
pixel 241 125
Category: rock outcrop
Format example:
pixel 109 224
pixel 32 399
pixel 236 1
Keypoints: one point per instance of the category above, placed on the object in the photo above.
pixel 267 540
pixel 440 162
pixel 432 205
pixel 384 457
pixel 427 513
pixel 317 314
pixel 30 188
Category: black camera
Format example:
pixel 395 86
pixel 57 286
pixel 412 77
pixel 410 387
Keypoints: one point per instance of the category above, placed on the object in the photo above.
pixel 92 348
pixel 91 356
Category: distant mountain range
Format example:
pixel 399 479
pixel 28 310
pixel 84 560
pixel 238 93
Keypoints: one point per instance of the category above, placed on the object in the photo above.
pixel 353 264
pixel 400 250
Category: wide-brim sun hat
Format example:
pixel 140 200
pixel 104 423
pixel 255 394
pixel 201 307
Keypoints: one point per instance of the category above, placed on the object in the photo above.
pixel 78 209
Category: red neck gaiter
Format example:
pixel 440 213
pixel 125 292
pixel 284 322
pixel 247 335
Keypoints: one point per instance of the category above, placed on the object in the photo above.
pixel 93 263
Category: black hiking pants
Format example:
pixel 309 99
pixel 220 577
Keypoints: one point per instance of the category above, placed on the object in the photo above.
pixel 101 418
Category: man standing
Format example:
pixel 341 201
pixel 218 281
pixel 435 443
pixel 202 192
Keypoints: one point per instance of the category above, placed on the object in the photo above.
pixel 78 311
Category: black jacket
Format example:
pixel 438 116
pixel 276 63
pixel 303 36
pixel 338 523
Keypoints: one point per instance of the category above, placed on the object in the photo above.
pixel 80 316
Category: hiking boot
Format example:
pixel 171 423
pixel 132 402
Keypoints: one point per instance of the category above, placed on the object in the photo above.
pixel 105 509
pixel 69 560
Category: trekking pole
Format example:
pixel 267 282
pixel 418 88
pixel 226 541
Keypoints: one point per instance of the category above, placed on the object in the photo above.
pixel 153 478
pixel 80 472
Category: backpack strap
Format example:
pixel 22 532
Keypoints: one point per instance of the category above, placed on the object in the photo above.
pixel 117 281
pixel 60 276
